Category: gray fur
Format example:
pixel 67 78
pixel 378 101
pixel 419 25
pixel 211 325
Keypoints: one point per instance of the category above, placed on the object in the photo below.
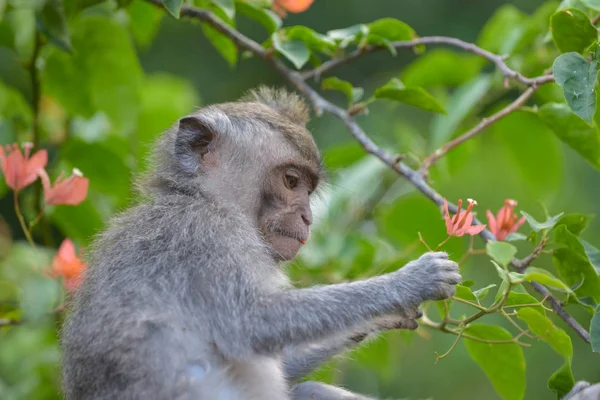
pixel 583 390
pixel 183 298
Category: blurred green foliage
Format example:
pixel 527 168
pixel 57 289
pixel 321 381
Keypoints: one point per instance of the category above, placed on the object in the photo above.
pixel 96 81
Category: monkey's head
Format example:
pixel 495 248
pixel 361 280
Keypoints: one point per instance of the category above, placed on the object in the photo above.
pixel 254 155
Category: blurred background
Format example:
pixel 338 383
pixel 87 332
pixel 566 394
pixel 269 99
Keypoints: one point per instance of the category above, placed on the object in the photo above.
pixel 367 219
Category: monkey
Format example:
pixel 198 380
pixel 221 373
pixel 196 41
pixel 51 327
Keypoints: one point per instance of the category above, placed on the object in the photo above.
pixel 185 295
pixel 583 390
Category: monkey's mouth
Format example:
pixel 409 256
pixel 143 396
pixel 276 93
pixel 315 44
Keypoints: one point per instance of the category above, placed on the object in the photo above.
pixel 302 238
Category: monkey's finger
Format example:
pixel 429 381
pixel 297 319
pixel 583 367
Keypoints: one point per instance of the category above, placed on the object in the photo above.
pixel 419 313
pixel 453 278
pixel 448 265
pixel 441 255
pixel 409 324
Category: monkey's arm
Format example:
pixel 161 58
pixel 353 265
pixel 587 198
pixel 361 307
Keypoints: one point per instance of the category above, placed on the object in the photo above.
pixel 298 362
pixel 270 323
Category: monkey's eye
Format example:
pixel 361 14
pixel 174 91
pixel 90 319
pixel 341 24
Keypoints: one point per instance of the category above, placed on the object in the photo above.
pixel 291 181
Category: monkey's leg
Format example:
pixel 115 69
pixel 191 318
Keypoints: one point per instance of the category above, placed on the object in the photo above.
pixel 312 390
pixel 301 361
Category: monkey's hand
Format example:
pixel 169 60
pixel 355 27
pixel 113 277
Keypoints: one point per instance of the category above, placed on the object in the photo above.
pixel 431 277
pixel 405 320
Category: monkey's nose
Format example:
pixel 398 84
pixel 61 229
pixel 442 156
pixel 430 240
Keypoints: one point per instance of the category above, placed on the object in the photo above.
pixel 307 217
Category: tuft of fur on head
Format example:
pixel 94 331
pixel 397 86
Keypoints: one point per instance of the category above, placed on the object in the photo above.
pixel 286 103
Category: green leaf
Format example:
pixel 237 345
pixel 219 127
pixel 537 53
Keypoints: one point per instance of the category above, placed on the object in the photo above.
pixel 39 297
pixel 572 30
pixel 414 96
pixel 504 364
pixel 519 299
pixel 595 330
pixel 352 94
pixel 441 67
pixel 483 292
pixel 562 380
pixel 582 138
pixel 222 43
pixel 144 20
pixel 107 171
pixel 545 330
pixel 538 226
pixel 577 77
pixel 576 223
pixel 294 50
pixel 52 23
pixel 392 29
pixel 343 155
pixel 156 115
pixel 13 74
pixel 173 7
pixel 514 237
pixel 460 104
pixel 79 223
pixel 227 6
pixel 544 277
pixel 500 32
pixel 593 4
pixel 265 17
pixel 465 293
pixel 313 40
pixel 573 265
pixel 502 273
pixel 102 74
pixel 502 252
pixel 385 31
pixel 350 34
pixel 593 254
pixel 527 142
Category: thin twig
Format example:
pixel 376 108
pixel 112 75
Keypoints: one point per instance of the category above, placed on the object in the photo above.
pixel 22 219
pixel 499 61
pixel 477 129
pixel 321 105
pixel 521 265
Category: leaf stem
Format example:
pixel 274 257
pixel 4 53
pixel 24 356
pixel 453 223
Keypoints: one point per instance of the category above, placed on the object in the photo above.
pixel 22 219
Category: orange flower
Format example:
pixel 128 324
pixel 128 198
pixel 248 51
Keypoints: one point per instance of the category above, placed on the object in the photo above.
pixel 67 265
pixel 506 221
pixel 460 223
pixel 293 6
pixel 70 191
pixel 19 170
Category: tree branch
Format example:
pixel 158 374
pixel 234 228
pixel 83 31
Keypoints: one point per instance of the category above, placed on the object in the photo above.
pixel 499 61
pixel 321 105
pixel 477 129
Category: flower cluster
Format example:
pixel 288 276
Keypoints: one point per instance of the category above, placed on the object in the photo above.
pixel 293 6
pixel 68 266
pixel 22 169
pixel 461 222
pixel 504 223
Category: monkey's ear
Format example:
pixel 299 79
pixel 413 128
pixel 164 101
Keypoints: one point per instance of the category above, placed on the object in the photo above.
pixel 194 137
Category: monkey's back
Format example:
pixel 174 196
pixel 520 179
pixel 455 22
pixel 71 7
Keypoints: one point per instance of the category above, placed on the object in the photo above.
pixel 153 277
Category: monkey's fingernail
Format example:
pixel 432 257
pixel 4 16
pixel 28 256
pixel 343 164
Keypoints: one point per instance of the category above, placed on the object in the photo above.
pixel 302 241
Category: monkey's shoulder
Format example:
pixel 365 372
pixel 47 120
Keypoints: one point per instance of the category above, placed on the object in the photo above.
pixel 184 231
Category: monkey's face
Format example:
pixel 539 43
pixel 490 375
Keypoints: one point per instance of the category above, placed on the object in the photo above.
pixel 285 215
